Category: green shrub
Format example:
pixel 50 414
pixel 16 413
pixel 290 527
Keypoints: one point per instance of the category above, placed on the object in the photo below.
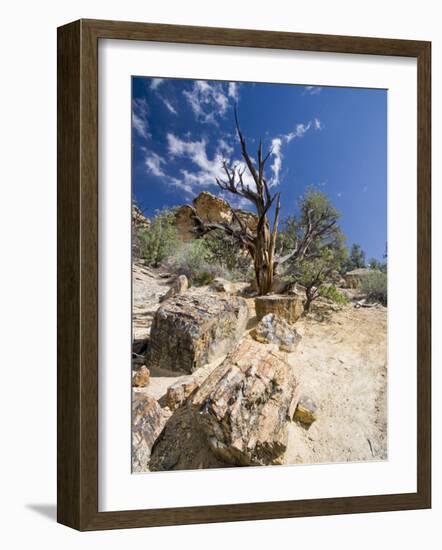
pixel 332 293
pixel 224 251
pixel 160 239
pixel 374 286
pixel 194 260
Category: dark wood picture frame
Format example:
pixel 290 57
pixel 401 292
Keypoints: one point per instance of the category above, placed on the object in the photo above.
pixel 77 225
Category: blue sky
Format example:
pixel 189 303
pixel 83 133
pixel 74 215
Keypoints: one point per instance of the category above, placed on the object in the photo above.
pixel 331 137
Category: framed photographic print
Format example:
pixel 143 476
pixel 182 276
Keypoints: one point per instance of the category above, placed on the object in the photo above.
pixel 243 275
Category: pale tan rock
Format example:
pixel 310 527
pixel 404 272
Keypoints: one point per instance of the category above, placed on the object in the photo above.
pixel 141 377
pixel 192 329
pixel 179 286
pixel 289 308
pixel 148 421
pixel 210 209
pixel 245 405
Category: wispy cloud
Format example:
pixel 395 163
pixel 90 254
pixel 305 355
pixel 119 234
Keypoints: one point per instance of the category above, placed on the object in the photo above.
pixel 208 170
pixel 155 82
pixel 277 160
pixel 318 124
pixel 169 106
pixel 207 101
pixel 224 146
pixel 140 111
pixel 298 132
pixel 312 90
pixel 233 90
pixel 154 164
pixel 302 128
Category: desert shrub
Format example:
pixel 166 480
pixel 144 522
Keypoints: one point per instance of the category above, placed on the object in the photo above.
pixel 225 252
pixel 332 293
pixel 374 286
pixel 194 259
pixel 159 240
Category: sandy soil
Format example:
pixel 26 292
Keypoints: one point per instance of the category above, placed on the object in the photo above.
pixel 341 363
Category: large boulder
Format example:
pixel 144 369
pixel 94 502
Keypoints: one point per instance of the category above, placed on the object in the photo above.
pixel 289 308
pixel 148 421
pixel 192 329
pixel 245 404
pixel 210 209
pixel 274 330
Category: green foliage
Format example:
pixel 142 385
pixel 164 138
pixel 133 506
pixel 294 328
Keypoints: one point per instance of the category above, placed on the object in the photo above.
pixel 376 265
pixel 374 286
pixel 160 239
pixel 315 209
pixel 194 259
pixel 223 250
pixel 356 258
pixel 314 272
pixel 332 293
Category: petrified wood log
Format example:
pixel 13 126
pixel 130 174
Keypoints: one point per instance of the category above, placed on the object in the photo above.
pixel 192 329
pixel 245 405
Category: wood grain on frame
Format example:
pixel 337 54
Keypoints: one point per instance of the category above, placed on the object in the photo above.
pixel 77 226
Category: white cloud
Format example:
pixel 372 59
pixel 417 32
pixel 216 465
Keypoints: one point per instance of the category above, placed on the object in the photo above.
pixel 318 124
pixel 208 169
pixel 277 160
pixel 140 111
pixel 301 129
pixel 312 90
pixel 224 146
pixel 153 163
pixel 155 82
pixel 298 132
pixel 233 90
pixel 169 106
pixel 207 101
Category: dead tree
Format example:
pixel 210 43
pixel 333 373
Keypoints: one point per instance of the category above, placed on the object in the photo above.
pixel 260 243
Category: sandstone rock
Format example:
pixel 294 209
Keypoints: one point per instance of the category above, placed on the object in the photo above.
pixel 139 220
pixel 141 377
pixel 184 223
pixel 221 285
pixel 192 329
pixel 289 308
pixel 179 392
pixel 353 279
pixel 274 330
pixel 179 286
pixel 305 411
pixel 245 404
pixel 148 421
pixel 210 209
